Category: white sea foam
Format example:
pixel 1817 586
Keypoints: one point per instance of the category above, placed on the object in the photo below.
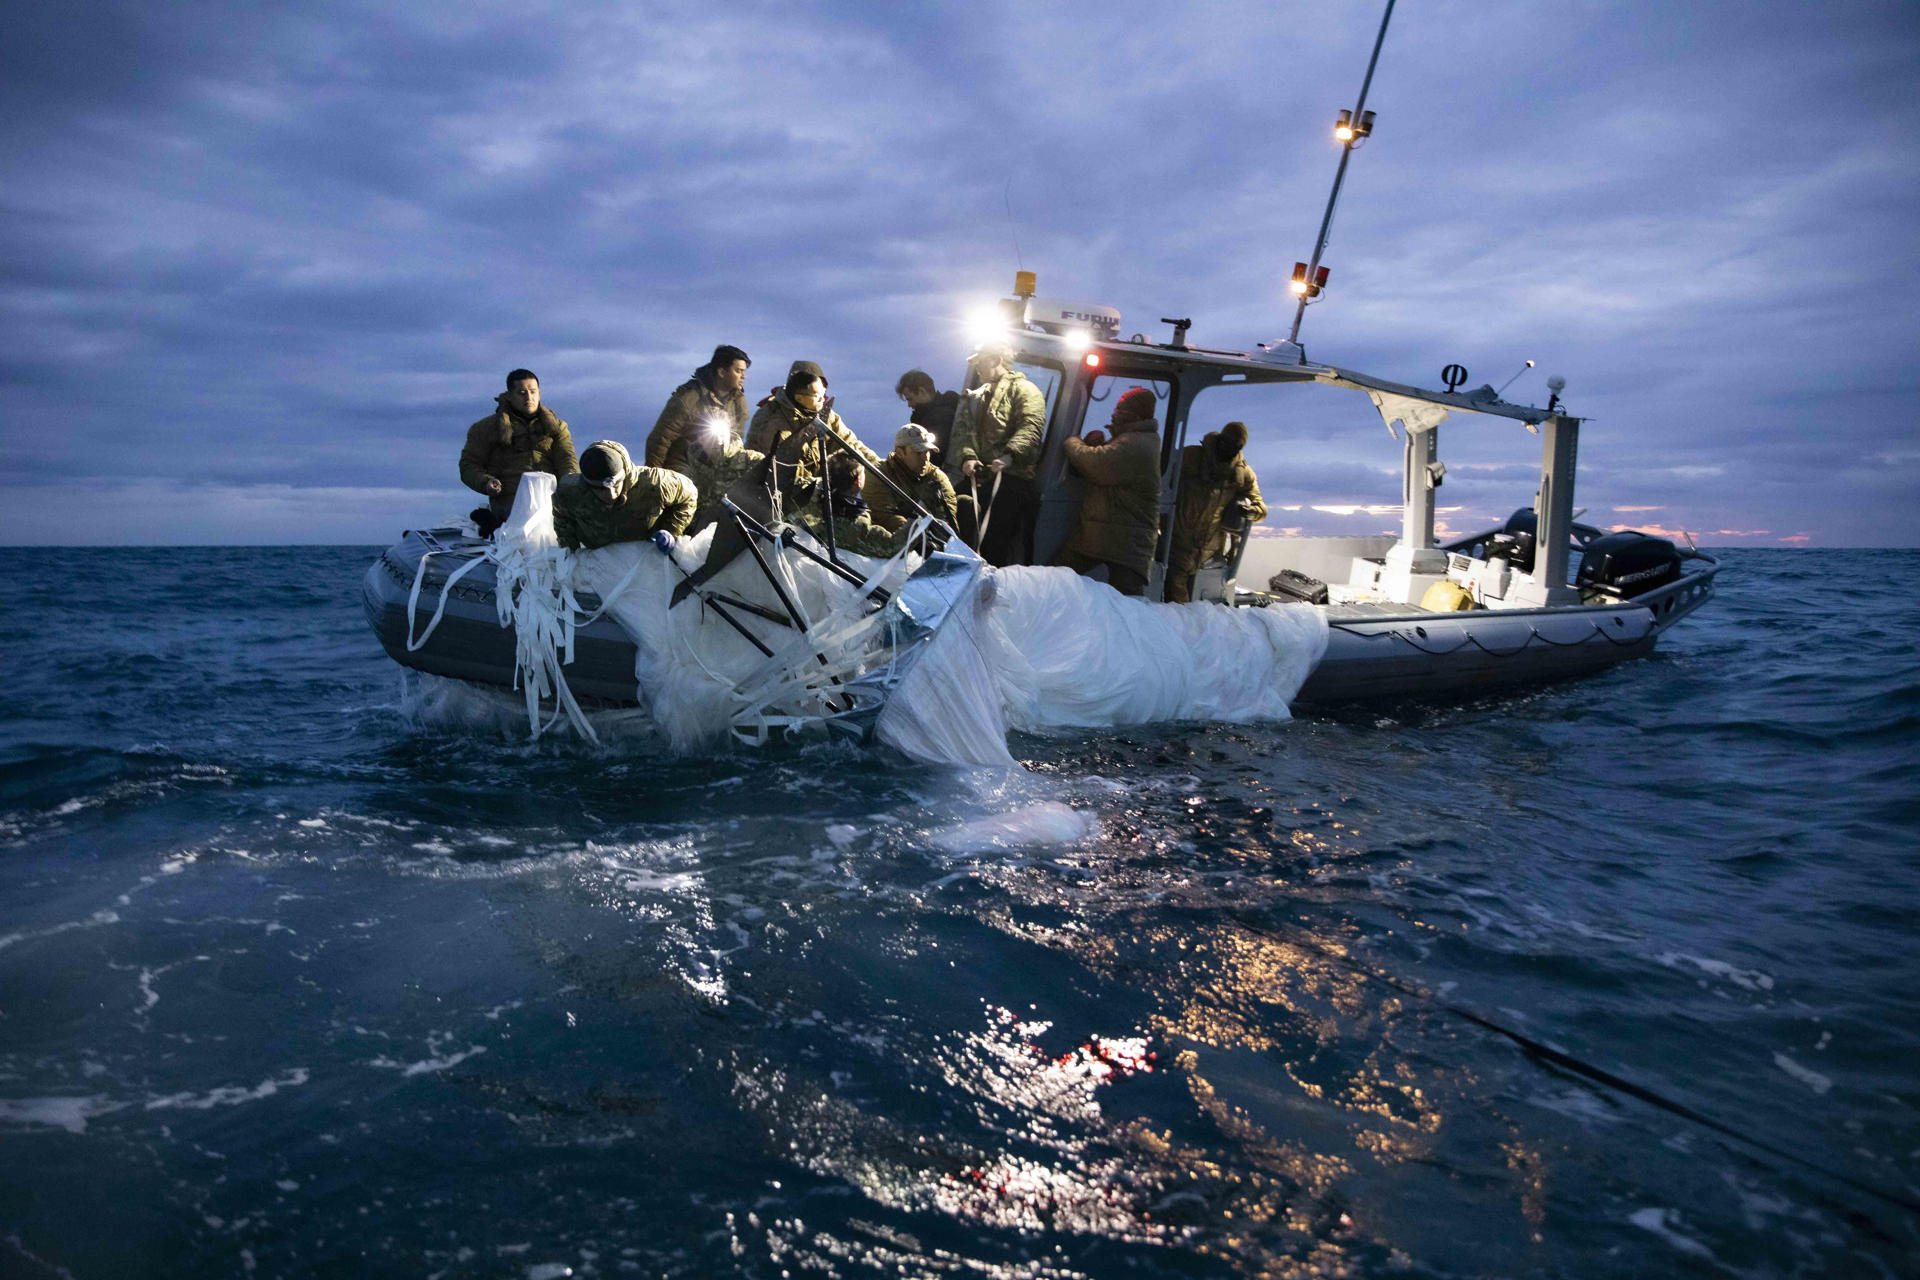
pixel 1663 1223
pixel 229 1095
pixel 1746 979
pixel 455 704
pixel 1805 1075
pixel 1577 1104
pixel 69 1113
pixel 423 1066
pixel 25 935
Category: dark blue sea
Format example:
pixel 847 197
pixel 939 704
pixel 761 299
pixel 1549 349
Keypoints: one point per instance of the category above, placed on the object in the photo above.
pixel 309 969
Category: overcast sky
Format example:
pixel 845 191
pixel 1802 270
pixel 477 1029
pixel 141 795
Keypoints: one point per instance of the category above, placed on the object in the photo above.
pixel 261 265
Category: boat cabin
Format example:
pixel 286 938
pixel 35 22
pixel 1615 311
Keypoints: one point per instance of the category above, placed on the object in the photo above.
pixel 1075 355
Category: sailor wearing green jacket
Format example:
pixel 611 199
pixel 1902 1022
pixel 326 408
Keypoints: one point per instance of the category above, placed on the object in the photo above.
pixel 1218 492
pixel 521 435
pixel 713 396
pixel 1120 515
pixel 910 466
pixel 997 432
pixel 782 426
pixel 611 500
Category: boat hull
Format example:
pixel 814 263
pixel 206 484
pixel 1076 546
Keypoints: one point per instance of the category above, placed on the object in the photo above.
pixel 1374 653
pixel 469 643
pixel 1438 655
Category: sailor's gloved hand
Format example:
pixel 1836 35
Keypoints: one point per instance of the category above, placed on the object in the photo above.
pixel 663 540
pixel 493 486
pixel 1094 437
pixel 999 464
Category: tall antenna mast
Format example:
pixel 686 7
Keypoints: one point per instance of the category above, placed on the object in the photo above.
pixel 1309 278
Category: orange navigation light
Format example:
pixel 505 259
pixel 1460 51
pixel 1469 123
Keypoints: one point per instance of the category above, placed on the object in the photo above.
pixel 1024 284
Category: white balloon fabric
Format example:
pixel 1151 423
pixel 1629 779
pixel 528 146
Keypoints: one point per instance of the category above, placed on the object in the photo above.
pixel 1034 649
pixel 1047 649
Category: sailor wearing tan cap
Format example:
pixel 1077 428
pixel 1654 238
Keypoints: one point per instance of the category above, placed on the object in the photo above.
pixel 911 466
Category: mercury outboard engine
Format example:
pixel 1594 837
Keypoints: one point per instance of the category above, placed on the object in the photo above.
pixel 1627 564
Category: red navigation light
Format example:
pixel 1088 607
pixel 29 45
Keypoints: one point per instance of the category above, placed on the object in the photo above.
pixel 1093 359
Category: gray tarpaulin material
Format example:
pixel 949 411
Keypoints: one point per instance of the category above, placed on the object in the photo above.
pixel 1414 415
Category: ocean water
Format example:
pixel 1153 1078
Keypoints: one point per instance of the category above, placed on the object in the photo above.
pixel 310 968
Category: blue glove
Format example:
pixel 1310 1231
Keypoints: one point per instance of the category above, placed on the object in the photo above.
pixel 663 540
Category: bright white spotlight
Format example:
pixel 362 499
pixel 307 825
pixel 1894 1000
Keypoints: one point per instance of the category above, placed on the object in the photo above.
pixel 985 325
pixel 1077 339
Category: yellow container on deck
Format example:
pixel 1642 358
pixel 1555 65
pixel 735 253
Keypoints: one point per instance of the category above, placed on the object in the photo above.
pixel 1446 597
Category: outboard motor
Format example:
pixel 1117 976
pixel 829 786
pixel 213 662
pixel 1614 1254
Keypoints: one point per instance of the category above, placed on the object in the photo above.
pixel 1627 564
pixel 1513 545
pixel 1515 542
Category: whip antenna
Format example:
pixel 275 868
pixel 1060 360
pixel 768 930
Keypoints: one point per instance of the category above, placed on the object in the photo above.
pixel 1353 127
pixel 1013 228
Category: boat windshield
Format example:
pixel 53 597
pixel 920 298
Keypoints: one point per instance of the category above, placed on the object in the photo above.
pixel 1044 376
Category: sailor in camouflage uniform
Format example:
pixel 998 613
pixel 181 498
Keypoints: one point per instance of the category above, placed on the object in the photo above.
pixel 997 433
pixel 782 427
pixel 715 394
pixel 910 466
pixel 611 500
pixel 1218 494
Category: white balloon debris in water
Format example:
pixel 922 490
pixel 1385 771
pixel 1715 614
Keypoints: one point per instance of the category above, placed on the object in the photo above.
pixel 1036 824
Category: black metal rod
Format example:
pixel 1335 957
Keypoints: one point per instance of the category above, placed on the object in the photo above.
pixel 839 570
pixel 737 625
pixel 716 606
pixel 779 589
pixel 773 580
pixel 758 610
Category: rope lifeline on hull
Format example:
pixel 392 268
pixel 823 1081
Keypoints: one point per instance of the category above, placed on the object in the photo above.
pixel 1470 641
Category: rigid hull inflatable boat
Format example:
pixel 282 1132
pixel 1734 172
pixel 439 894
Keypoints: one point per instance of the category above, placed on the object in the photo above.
pixel 1537 599
pixel 1323 620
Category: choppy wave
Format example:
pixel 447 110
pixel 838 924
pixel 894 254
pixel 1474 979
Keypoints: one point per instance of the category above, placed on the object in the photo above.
pixel 297 955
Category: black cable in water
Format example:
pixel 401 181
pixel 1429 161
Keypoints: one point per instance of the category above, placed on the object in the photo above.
pixel 1599 1075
